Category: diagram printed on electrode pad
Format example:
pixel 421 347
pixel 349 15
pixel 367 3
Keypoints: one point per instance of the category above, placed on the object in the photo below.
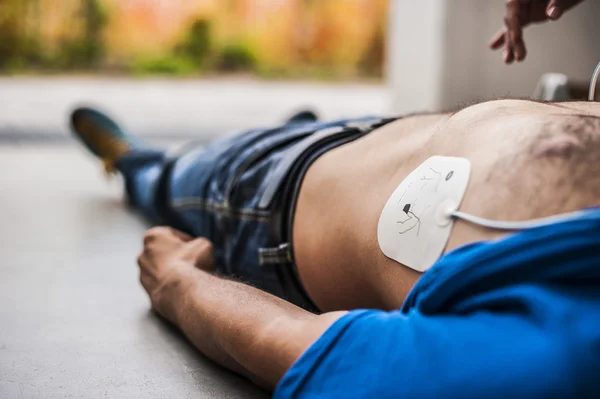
pixel 415 225
pixel 412 221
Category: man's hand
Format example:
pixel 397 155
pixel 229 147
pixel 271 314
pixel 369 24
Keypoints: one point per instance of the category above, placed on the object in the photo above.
pixel 168 256
pixel 519 14
pixel 240 327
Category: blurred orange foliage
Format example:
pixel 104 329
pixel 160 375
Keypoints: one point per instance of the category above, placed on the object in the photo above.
pixel 281 34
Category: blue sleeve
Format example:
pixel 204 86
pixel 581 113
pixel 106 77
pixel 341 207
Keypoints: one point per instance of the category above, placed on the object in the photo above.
pixel 375 354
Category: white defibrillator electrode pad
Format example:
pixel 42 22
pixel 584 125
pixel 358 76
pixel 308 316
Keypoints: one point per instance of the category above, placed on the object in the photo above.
pixel 415 224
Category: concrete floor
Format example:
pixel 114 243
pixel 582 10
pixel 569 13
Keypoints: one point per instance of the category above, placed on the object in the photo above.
pixel 74 321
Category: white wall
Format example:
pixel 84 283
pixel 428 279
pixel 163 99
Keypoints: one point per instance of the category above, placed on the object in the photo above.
pixel 439 56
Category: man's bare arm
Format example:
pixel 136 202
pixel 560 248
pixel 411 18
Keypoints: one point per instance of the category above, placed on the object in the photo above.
pixel 244 329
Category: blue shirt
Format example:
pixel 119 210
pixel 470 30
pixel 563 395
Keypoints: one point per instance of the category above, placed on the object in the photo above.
pixel 515 318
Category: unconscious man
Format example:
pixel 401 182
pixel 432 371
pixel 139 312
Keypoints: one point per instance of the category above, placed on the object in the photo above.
pixel 475 233
pixel 497 203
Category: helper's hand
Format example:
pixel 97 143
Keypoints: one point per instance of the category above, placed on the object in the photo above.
pixel 519 14
pixel 168 257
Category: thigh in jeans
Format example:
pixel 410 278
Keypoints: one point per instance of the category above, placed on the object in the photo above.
pixel 214 193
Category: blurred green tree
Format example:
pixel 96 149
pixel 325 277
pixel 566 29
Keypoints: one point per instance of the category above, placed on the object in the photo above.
pixel 297 38
pixel 19 44
pixel 373 59
pixel 236 57
pixel 95 19
pixel 87 50
pixel 197 43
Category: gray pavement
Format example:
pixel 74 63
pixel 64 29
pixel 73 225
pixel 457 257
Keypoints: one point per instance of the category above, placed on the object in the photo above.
pixel 37 108
pixel 74 321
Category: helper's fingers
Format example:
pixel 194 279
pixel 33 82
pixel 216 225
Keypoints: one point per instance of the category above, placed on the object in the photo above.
pixel 555 9
pixel 514 27
pixel 519 49
pixel 512 20
pixel 508 53
pixel 498 39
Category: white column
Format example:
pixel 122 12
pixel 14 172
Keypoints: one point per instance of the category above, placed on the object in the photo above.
pixel 438 54
pixel 416 60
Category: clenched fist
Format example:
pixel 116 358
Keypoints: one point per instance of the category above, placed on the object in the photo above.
pixel 167 259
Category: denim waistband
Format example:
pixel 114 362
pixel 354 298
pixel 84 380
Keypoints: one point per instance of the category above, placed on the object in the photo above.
pixel 282 193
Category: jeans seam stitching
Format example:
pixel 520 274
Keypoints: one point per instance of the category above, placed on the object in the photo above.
pixel 222 209
pixel 202 203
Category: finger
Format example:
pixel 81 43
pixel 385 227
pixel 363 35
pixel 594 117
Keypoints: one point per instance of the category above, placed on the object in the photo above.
pixel 147 282
pixel 203 254
pixel 521 51
pixel 508 54
pixel 513 22
pixel 517 11
pixel 206 261
pixel 164 232
pixel 142 261
pixel 154 233
pixel 554 10
pixel 181 235
pixel 518 45
pixel 498 39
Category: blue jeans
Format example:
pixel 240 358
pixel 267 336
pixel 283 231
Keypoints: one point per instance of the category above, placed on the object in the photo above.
pixel 214 192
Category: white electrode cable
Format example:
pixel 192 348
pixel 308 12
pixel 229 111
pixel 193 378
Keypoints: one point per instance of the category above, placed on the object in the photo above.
pixel 595 76
pixel 524 225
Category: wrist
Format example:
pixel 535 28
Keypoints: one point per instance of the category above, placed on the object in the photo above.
pixel 169 298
